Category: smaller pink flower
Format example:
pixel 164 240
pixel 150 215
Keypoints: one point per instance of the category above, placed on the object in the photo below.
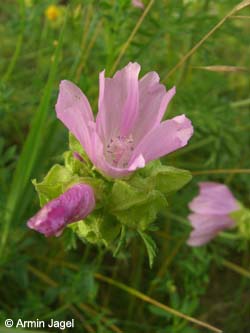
pixel 138 4
pixel 72 206
pixel 211 212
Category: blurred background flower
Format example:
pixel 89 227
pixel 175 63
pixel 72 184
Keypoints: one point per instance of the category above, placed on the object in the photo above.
pixel 211 212
pixel 55 14
pixel 52 12
pixel 138 4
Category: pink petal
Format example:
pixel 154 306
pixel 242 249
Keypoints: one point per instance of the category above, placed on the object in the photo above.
pixel 73 109
pixel 118 102
pixel 153 101
pixel 198 238
pixel 214 198
pixel 139 162
pixel 73 205
pixel 165 138
pixel 207 227
pixel 213 223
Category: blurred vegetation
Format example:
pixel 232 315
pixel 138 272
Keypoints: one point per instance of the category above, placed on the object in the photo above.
pixel 62 278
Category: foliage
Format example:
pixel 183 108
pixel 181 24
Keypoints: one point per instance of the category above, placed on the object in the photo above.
pixel 133 202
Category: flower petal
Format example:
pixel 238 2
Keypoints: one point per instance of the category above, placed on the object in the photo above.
pixel 207 227
pixel 214 198
pixel 165 138
pixel 118 102
pixel 198 238
pixel 139 162
pixel 211 222
pixel 73 205
pixel 153 101
pixel 73 109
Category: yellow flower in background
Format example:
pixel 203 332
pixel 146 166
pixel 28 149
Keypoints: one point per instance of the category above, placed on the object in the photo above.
pixel 53 12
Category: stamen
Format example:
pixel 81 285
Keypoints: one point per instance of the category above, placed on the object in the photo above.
pixel 119 150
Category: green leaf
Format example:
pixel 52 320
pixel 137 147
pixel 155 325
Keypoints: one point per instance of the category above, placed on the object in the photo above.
pixel 121 241
pixel 54 183
pixel 150 246
pixel 81 285
pixel 168 179
pixel 133 207
pixel 97 230
pixel 60 178
pixel 163 178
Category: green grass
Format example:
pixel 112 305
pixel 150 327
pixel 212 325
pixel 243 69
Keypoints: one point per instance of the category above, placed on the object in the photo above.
pixel 62 278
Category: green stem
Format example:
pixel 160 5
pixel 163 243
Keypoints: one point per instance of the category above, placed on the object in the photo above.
pixel 238 104
pixel 236 268
pixel 177 218
pixel 227 235
pixel 220 171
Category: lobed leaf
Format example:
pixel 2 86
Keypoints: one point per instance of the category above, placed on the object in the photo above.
pixel 150 247
pixel 133 207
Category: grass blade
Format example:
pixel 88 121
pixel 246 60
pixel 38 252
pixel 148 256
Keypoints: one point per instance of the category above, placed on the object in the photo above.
pixel 240 6
pixel 132 35
pixel 222 69
pixel 154 302
pixel 30 151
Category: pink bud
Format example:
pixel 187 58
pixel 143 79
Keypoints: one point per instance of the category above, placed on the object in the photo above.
pixel 72 206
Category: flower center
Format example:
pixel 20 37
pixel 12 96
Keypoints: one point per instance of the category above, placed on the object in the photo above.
pixel 118 150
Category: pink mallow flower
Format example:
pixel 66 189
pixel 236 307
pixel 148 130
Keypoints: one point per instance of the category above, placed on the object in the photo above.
pixel 211 212
pixel 72 206
pixel 128 132
pixel 138 4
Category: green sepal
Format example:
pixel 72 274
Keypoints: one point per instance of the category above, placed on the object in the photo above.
pixel 75 146
pixel 242 219
pixel 75 166
pixel 80 165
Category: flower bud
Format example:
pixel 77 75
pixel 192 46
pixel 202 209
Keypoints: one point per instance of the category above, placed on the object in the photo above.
pixel 72 206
